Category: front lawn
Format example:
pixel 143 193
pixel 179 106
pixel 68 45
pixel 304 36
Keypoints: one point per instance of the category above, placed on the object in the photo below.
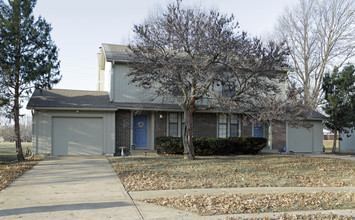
pixel 162 173
pixel 258 203
pixel 10 169
pixel 8 150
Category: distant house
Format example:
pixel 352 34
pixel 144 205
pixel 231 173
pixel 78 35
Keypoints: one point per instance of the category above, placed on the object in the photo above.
pixel 119 114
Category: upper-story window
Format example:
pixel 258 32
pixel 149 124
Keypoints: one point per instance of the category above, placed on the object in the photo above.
pixel 228 125
pixel 228 90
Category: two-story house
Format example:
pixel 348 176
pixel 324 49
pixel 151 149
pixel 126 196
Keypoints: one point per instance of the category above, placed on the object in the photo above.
pixel 119 114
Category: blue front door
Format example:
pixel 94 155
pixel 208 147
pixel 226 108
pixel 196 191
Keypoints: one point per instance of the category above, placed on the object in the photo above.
pixel 258 131
pixel 140 131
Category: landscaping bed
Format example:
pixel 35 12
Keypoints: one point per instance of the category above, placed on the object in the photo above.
pixel 172 172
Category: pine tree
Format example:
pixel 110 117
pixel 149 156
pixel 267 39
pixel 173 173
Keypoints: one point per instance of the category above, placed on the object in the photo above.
pixel 28 58
pixel 339 89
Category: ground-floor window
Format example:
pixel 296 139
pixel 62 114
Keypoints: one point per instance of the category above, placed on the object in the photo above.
pixel 175 124
pixel 228 125
pixel 234 126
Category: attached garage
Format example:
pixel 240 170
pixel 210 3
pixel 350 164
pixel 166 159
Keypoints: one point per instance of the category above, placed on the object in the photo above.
pixel 305 140
pixel 78 136
pixel 72 122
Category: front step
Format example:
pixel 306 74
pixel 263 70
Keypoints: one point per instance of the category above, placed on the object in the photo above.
pixel 270 151
pixel 143 153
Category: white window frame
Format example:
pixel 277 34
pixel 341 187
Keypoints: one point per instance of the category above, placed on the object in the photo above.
pixel 180 117
pixel 229 119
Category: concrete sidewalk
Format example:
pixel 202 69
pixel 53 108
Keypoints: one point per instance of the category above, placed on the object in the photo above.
pixel 333 156
pixel 68 188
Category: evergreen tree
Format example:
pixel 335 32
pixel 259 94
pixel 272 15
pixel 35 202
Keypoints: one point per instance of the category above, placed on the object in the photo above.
pixel 339 89
pixel 28 58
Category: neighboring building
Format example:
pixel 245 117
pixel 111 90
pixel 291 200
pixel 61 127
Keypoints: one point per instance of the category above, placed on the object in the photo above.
pixel 347 144
pixel 119 114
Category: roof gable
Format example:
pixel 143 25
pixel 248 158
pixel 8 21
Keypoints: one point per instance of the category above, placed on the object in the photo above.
pixel 115 52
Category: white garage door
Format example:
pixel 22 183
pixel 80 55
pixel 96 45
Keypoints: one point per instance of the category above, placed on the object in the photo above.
pixel 77 136
pixel 300 139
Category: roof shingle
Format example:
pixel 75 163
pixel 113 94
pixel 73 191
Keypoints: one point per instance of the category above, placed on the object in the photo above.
pixel 76 99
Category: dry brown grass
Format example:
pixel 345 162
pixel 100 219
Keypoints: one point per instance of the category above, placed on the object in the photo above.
pixel 240 171
pixel 285 216
pixel 258 203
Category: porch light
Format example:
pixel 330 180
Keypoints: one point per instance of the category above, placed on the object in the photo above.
pixel 160 115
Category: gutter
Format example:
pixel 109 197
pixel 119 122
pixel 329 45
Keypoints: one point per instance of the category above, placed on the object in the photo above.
pixel 72 109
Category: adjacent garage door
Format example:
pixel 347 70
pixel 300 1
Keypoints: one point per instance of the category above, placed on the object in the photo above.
pixel 77 136
pixel 300 139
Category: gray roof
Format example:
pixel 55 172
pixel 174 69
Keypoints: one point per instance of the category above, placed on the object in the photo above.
pixel 317 115
pixel 114 52
pixel 72 99
pixel 99 100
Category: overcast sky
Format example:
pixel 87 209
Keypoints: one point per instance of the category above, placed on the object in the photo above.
pixel 81 26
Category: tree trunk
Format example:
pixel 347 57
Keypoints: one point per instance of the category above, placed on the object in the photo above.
pixel 335 141
pixel 16 110
pixel 189 150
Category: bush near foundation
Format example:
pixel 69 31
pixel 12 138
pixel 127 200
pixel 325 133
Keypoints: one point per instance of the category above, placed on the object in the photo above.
pixel 205 146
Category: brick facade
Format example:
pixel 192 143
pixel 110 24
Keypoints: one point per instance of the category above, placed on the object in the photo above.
pixel 278 135
pixel 205 125
pixel 160 124
pixel 123 129
pixel 247 128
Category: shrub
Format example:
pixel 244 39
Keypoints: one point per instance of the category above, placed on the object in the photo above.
pixel 254 145
pixel 169 145
pixel 246 145
pixel 212 146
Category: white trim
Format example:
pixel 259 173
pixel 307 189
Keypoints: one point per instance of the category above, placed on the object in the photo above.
pixel 72 109
pixel 131 130
pixel 153 130
pixel 229 120
pixel 287 144
pixel 112 86
pixel 180 117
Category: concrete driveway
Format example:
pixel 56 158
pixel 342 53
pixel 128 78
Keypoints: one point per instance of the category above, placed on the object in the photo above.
pixel 68 188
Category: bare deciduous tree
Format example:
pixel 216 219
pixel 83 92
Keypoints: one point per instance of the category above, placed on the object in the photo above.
pixel 200 60
pixel 320 34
